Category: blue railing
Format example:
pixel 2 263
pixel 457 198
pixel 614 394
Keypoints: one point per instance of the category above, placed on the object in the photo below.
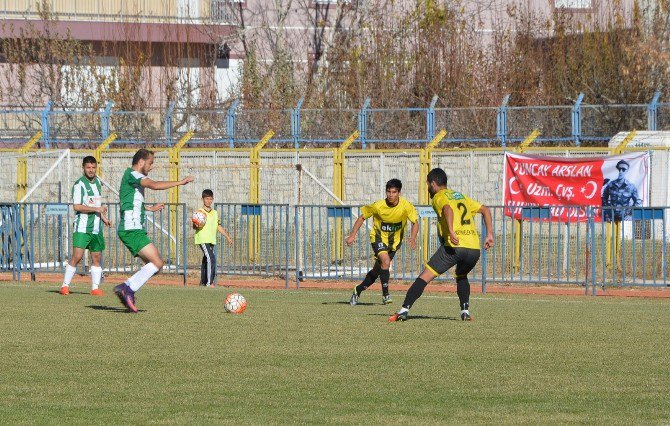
pixel 297 127
pixel 308 242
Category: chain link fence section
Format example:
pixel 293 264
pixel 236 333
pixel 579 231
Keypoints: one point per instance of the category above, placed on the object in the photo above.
pixel 17 126
pixel 81 128
pixel 407 125
pixel 554 121
pixel 318 126
pixel 143 127
pixel 599 122
pixel 463 123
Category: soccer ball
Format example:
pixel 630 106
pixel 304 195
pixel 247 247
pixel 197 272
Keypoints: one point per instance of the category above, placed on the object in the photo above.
pixel 199 218
pixel 235 303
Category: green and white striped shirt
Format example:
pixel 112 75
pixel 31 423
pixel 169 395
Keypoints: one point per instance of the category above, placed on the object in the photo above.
pixel 131 196
pixel 88 194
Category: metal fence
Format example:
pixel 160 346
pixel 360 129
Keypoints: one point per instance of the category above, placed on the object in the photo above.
pixel 576 125
pixel 587 252
pixel 46 231
pixel 261 240
pixel 308 242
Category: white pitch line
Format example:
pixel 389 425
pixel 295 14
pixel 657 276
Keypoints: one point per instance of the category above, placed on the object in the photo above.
pixel 484 299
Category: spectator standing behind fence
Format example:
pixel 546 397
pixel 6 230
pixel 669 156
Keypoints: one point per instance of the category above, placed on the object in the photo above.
pixel 132 231
pixel 205 238
pixel 89 216
pixel 459 243
pixel 390 216
pixel 620 192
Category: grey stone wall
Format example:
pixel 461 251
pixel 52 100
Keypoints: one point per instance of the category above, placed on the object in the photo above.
pixel 477 173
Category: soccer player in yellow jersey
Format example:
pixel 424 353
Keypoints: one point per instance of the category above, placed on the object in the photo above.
pixel 389 216
pixel 205 238
pixel 459 243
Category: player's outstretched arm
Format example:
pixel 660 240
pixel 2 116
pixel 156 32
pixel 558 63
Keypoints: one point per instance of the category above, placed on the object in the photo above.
pixel 488 241
pixel 167 184
pixel 155 207
pixel 352 235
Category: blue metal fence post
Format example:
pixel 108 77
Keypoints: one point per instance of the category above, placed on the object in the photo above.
pixel 18 242
pixel 46 130
pixel 501 122
pixel 295 123
pixel 168 124
pixel 577 120
pixel 652 112
pixel 592 243
pixel 363 122
pixel 230 123
pixel 104 119
pixel 430 120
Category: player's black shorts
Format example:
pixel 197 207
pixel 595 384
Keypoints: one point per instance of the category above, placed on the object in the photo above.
pixel 445 257
pixel 380 247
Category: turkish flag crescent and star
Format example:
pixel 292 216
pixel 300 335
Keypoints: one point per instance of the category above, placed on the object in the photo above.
pixel 569 185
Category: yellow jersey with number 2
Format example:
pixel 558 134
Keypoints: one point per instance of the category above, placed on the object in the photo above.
pixel 464 224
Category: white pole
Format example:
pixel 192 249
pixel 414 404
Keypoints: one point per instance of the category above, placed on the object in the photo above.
pixel 335 197
pixel 44 176
pixel 382 166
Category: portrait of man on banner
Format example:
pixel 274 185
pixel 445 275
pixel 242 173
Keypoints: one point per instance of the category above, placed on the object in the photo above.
pixel 608 187
pixel 621 191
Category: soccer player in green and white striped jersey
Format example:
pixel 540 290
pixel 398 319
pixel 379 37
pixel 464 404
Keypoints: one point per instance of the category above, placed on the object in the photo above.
pixel 89 217
pixel 131 230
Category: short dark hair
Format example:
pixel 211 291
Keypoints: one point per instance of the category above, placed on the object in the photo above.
pixel 394 183
pixel 207 193
pixel 438 176
pixel 622 163
pixel 142 154
pixel 89 159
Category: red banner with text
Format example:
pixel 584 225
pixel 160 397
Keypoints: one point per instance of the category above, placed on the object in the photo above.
pixel 570 185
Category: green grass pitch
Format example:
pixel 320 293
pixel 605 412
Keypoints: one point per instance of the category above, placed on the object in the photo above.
pixel 308 357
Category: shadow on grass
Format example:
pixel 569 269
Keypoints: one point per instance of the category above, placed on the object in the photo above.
pixel 347 303
pixel 421 317
pixel 71 292
pixel 115 309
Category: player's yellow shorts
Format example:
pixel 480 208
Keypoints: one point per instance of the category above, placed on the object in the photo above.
pixel 95 243
pixel 135 240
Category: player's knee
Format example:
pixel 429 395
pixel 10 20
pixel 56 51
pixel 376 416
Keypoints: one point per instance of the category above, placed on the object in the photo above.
pixel 386 263
pixel 462 279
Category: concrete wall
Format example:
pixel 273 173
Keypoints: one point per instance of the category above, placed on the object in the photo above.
pixel 477 173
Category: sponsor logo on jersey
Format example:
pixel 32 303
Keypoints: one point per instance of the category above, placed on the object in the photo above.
pixel 391 227
pixel 455 196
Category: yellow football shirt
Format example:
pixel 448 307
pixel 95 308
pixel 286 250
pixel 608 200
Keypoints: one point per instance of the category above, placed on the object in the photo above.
pixel 389 222
pixel 207 234
pixel 464 224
